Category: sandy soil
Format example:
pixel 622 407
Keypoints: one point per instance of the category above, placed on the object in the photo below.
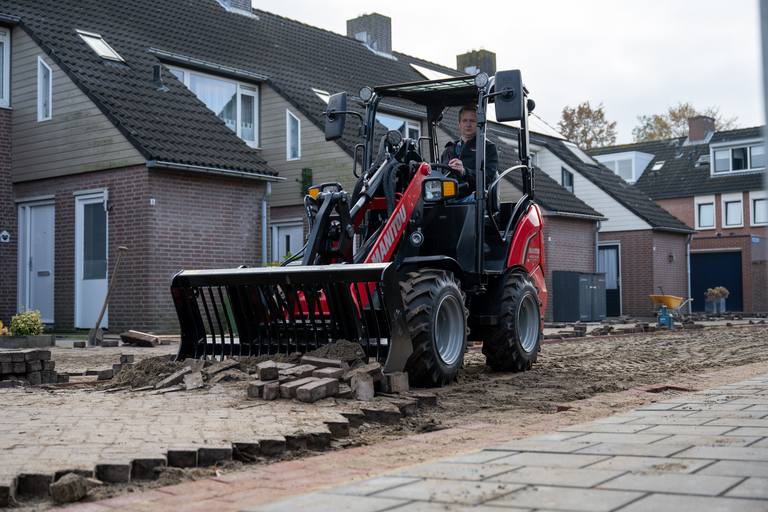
pixel 591 377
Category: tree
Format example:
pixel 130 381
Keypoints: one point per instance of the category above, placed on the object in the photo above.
pixel 587 128
pixel 674 122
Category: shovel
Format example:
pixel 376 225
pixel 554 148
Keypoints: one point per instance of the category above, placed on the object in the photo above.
pixel 95 335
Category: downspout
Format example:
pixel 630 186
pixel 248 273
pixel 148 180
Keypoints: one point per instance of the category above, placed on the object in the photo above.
pixel 688 270
pixel 264 236
pixel 597 247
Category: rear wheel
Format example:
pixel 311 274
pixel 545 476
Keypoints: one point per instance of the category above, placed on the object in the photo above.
pixel 437 321
pixel 515 345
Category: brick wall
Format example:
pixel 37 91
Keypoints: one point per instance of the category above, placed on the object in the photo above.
pixel 569 244
pixel 680 207
pixel 197 221
pixel 684 209
pixel 8 222
pixel 636 259
pixel 669 272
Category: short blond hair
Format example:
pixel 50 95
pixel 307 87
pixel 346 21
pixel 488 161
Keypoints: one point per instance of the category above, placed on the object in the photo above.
pixel 466 108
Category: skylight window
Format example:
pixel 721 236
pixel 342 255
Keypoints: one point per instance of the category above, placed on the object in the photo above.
pixel 579 153
pixel 658 165
pixel 100 46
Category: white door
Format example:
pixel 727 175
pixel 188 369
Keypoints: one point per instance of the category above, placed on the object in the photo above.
pixel 90 260
pixel 36 258
pixel 286 239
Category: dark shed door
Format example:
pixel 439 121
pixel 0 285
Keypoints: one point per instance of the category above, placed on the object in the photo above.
pixel 711 269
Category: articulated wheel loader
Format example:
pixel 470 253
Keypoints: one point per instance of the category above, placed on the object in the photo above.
pixel 396 265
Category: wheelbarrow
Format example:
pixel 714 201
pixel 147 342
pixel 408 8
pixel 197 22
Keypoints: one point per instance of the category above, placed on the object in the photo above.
pixel 669 308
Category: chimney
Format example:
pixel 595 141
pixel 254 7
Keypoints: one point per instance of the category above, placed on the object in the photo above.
pixel 374 30
pixel 243 7
pixel 699 128
pixel 477 60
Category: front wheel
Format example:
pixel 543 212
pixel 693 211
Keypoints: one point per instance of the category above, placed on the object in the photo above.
pixel 515 345
pixel 437 321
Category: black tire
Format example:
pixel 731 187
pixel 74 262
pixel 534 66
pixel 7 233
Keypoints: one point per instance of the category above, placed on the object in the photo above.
pixel 515 345
pixel 437 321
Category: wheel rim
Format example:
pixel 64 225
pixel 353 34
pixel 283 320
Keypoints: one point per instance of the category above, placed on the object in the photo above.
pixel 449 329
pixel 528 323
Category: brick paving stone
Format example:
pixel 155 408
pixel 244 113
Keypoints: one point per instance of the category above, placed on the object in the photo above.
pixel 584 477
pixel 673 483
pixel 564 498
pixel 552 460
pixel 465 492
pixel 455 471
pixel 753 488
pixel 372 485
pixel 330 503
pixel 682 503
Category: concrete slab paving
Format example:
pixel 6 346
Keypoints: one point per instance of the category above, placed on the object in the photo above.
pixel 702 452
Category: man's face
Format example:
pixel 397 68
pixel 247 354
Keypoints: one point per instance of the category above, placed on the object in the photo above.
pixel 468 124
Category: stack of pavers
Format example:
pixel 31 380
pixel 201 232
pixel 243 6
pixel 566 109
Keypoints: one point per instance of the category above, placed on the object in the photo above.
pixel 28 367
pixel 317 378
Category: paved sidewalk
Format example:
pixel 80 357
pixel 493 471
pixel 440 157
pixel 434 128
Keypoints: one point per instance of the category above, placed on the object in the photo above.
pixel 701 452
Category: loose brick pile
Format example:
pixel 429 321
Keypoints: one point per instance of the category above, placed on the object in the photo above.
pixel 28 367
pixel 317 378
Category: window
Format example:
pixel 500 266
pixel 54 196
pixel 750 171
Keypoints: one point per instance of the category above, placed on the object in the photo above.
pixel 5 68
pixel 44 90
pixel 758 201
pixel 567 179
pixel 99 45
pixel 409 129
pixel 629 165
pixel 293 136
pixel 747 157
pixel 732 210
pixel 233 102
pixel 705 212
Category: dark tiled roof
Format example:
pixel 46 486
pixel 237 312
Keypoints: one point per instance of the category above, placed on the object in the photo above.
pixel 628 196
pixel 684 173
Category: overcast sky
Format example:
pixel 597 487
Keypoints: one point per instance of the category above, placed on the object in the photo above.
pixel 636 57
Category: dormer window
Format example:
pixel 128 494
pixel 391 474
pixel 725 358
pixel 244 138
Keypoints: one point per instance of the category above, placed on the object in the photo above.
pixel 410 129
pixel 629 165
pixel 742 157
pixel 100 46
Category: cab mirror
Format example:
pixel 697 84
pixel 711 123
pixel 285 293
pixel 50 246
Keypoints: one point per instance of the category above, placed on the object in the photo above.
pixel 509 102
pixel 334 123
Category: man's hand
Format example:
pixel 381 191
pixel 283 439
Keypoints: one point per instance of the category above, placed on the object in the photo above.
pixel 457 165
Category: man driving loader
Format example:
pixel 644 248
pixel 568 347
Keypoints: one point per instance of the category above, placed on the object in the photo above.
pixel 460 155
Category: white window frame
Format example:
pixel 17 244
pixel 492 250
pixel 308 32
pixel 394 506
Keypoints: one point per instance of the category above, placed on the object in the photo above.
pixel 747 144
pixel 289 116
pixel 41 114
pixel 756 195
pixel 563 173
pixel 725 199
pixel 243 88
pixel 699 200
pixel 5 78
pixel 409 123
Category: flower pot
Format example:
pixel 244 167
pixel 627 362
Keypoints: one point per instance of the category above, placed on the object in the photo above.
pixel 720 305
pixel 44 340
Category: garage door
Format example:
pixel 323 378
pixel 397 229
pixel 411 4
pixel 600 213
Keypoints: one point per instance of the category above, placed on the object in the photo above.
pixel 712 269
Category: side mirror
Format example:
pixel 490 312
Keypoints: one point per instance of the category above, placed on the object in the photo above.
pixel 509 103
pixel 334 123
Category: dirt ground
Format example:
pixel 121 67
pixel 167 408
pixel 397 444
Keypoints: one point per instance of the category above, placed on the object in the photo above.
pixel 589 377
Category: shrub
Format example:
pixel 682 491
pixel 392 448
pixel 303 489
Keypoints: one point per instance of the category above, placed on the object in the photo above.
pixel 719 292
pixel 26 323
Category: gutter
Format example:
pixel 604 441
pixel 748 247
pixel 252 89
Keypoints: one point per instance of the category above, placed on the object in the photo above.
pixel 264 236
pixel 7 18
pixel 675 230
pixel 204 64
pixel 597 245
pixel 688 264
pixel 213 170
pixel 554 213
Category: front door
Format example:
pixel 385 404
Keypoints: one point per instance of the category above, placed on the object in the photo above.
pixel 90 260
pixel 713 269
pixel 287 240
pixel 36 258
pixel 608 262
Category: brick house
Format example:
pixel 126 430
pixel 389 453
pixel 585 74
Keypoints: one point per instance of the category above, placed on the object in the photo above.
pixel 712 181
pixel 640 246
pixel 109 148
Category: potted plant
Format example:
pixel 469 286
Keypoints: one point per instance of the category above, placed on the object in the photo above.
pixel 714 300
pixel 26 331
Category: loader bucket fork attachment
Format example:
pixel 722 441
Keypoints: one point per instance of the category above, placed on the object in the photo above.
pixel 281 310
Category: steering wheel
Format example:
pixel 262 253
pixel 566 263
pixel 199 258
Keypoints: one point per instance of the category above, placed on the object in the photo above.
pixel 448 168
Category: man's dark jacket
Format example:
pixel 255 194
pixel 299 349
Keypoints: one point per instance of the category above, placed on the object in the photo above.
pixel 467 157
